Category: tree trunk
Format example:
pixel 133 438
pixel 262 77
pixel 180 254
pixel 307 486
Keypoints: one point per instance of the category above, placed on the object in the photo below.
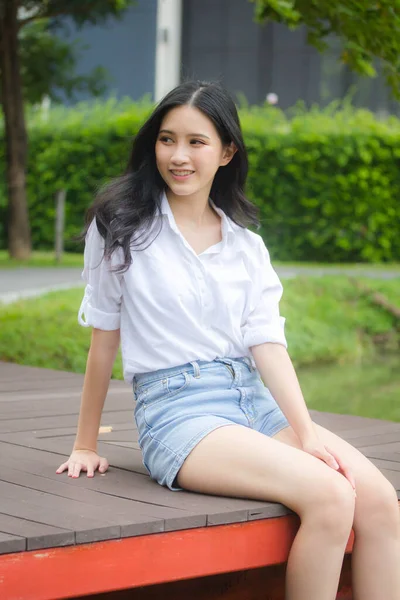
pixel 19 235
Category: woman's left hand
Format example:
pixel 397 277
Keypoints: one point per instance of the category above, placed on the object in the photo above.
pixel 316 448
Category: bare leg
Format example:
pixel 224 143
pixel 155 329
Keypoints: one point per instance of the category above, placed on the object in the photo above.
pixel 376 553
pixel 237 461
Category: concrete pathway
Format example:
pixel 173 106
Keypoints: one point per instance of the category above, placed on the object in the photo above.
pixel 30 282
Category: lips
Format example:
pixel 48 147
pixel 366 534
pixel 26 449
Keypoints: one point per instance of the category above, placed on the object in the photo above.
pixel 183 173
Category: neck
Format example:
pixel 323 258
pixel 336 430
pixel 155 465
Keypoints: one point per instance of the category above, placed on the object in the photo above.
pixel 193 210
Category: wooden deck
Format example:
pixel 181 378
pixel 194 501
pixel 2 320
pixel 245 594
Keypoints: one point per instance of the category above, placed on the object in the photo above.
pixel 113 514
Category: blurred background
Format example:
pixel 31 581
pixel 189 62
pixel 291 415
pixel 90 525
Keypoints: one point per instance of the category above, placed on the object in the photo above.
pixel 318 95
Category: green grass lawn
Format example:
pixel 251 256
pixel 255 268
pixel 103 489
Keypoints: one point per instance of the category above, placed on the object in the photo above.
pixel 41 259
pixel 345 348
pixel 69 259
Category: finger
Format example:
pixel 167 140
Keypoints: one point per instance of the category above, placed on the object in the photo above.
pixel 77 469
pixel 71 466
pixel 90 471
pixel 103 465
pixel 347 471
pixel 350 477
pixel 331 460
pixel 62 467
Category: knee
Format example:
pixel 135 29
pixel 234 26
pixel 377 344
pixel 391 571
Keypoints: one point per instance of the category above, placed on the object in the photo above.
pixel 377 509
pixel 332 510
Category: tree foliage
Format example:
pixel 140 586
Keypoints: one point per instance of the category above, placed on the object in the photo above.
pixel 48 62
pixel 48 66
pixel 367 30
pixel 25 39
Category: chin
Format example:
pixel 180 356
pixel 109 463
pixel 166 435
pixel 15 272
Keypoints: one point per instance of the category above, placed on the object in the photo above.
pixel 183 190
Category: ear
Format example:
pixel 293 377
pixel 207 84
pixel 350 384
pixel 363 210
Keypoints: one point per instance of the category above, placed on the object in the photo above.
pixel 228 153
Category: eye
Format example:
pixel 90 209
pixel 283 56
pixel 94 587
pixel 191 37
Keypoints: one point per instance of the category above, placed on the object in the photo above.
pixel 165 138
pixel 196 142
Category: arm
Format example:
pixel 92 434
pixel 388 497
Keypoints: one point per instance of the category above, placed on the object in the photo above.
pixel 263 334
pixel 278 374
pixel 101 307
pixel 103 350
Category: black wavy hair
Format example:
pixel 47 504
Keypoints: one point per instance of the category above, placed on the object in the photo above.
pixel 131 202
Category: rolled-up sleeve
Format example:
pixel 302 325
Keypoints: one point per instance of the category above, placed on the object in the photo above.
pixel 101 304
pixel 264 323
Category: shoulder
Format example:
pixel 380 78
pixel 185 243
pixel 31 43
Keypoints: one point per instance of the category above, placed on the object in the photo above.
pixel 95 248
pixel 248 240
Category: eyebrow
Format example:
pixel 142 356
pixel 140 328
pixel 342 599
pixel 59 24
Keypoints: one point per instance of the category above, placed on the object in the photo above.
pixel 188 135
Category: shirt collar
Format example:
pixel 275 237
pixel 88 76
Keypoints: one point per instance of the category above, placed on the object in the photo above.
pixel 227 226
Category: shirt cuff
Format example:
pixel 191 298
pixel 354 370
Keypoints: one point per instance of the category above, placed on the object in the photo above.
pixel 273 333
pixel 97 318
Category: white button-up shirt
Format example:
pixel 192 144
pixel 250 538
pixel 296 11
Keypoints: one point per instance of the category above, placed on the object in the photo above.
pixel 174 306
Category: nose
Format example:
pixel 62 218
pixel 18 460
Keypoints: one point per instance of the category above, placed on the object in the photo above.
pixel 179 155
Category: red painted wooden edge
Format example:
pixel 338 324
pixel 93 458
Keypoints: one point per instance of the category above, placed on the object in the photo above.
pixel 59 573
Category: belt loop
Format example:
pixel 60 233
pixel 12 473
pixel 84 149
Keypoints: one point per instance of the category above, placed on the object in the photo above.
pixel 196 368
pixel 231 367
pixel 247 359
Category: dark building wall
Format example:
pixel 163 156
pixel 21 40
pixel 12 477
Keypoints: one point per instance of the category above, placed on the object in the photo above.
pixel 126 48
pixel 222 41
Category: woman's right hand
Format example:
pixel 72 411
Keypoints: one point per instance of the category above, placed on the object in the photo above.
pixel 83 460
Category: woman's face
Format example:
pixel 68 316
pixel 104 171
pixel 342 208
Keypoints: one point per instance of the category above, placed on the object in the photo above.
pixel 189 151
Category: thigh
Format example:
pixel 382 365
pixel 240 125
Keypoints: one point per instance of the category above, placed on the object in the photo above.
pixel 242 462
pixel 372 486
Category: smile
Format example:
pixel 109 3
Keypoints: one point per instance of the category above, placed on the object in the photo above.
pixel 181 173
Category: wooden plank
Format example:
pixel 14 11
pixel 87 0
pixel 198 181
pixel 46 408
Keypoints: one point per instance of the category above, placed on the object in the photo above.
pixel 105 502
pixel 394 478
pixel 22 385
pixel 391 447
pixel 35 424
pixel 120 432
pixel 125 458
pixel 340 423
pixel 131 445
pixel 387 427
pixel 86 529
pixel 375 440
pixel 37 535
pixel 128 485
pixel 120 398
pixel 382 463
pixel 11 543
pixel 269 511
pixel 29 498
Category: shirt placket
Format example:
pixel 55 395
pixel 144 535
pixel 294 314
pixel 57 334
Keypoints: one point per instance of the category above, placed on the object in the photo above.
pixel 205 295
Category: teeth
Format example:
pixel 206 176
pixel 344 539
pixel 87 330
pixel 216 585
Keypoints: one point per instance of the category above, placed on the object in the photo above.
pixel 182 173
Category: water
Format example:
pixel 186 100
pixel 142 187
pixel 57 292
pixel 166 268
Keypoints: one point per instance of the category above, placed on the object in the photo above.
pixel 369 390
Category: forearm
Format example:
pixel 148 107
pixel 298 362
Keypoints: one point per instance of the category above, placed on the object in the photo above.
pixel 101 357
pixel 278 374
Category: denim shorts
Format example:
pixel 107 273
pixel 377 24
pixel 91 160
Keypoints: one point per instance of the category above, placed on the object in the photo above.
pixel 177 407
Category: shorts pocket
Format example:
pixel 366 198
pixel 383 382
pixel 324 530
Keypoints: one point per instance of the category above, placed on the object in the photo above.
pixel 177 383
pixel 147 392
pixel 165 388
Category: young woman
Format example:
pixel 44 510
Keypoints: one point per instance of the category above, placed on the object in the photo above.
pixel 171 266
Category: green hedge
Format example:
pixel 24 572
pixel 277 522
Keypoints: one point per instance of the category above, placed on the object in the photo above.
pixel 327 182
